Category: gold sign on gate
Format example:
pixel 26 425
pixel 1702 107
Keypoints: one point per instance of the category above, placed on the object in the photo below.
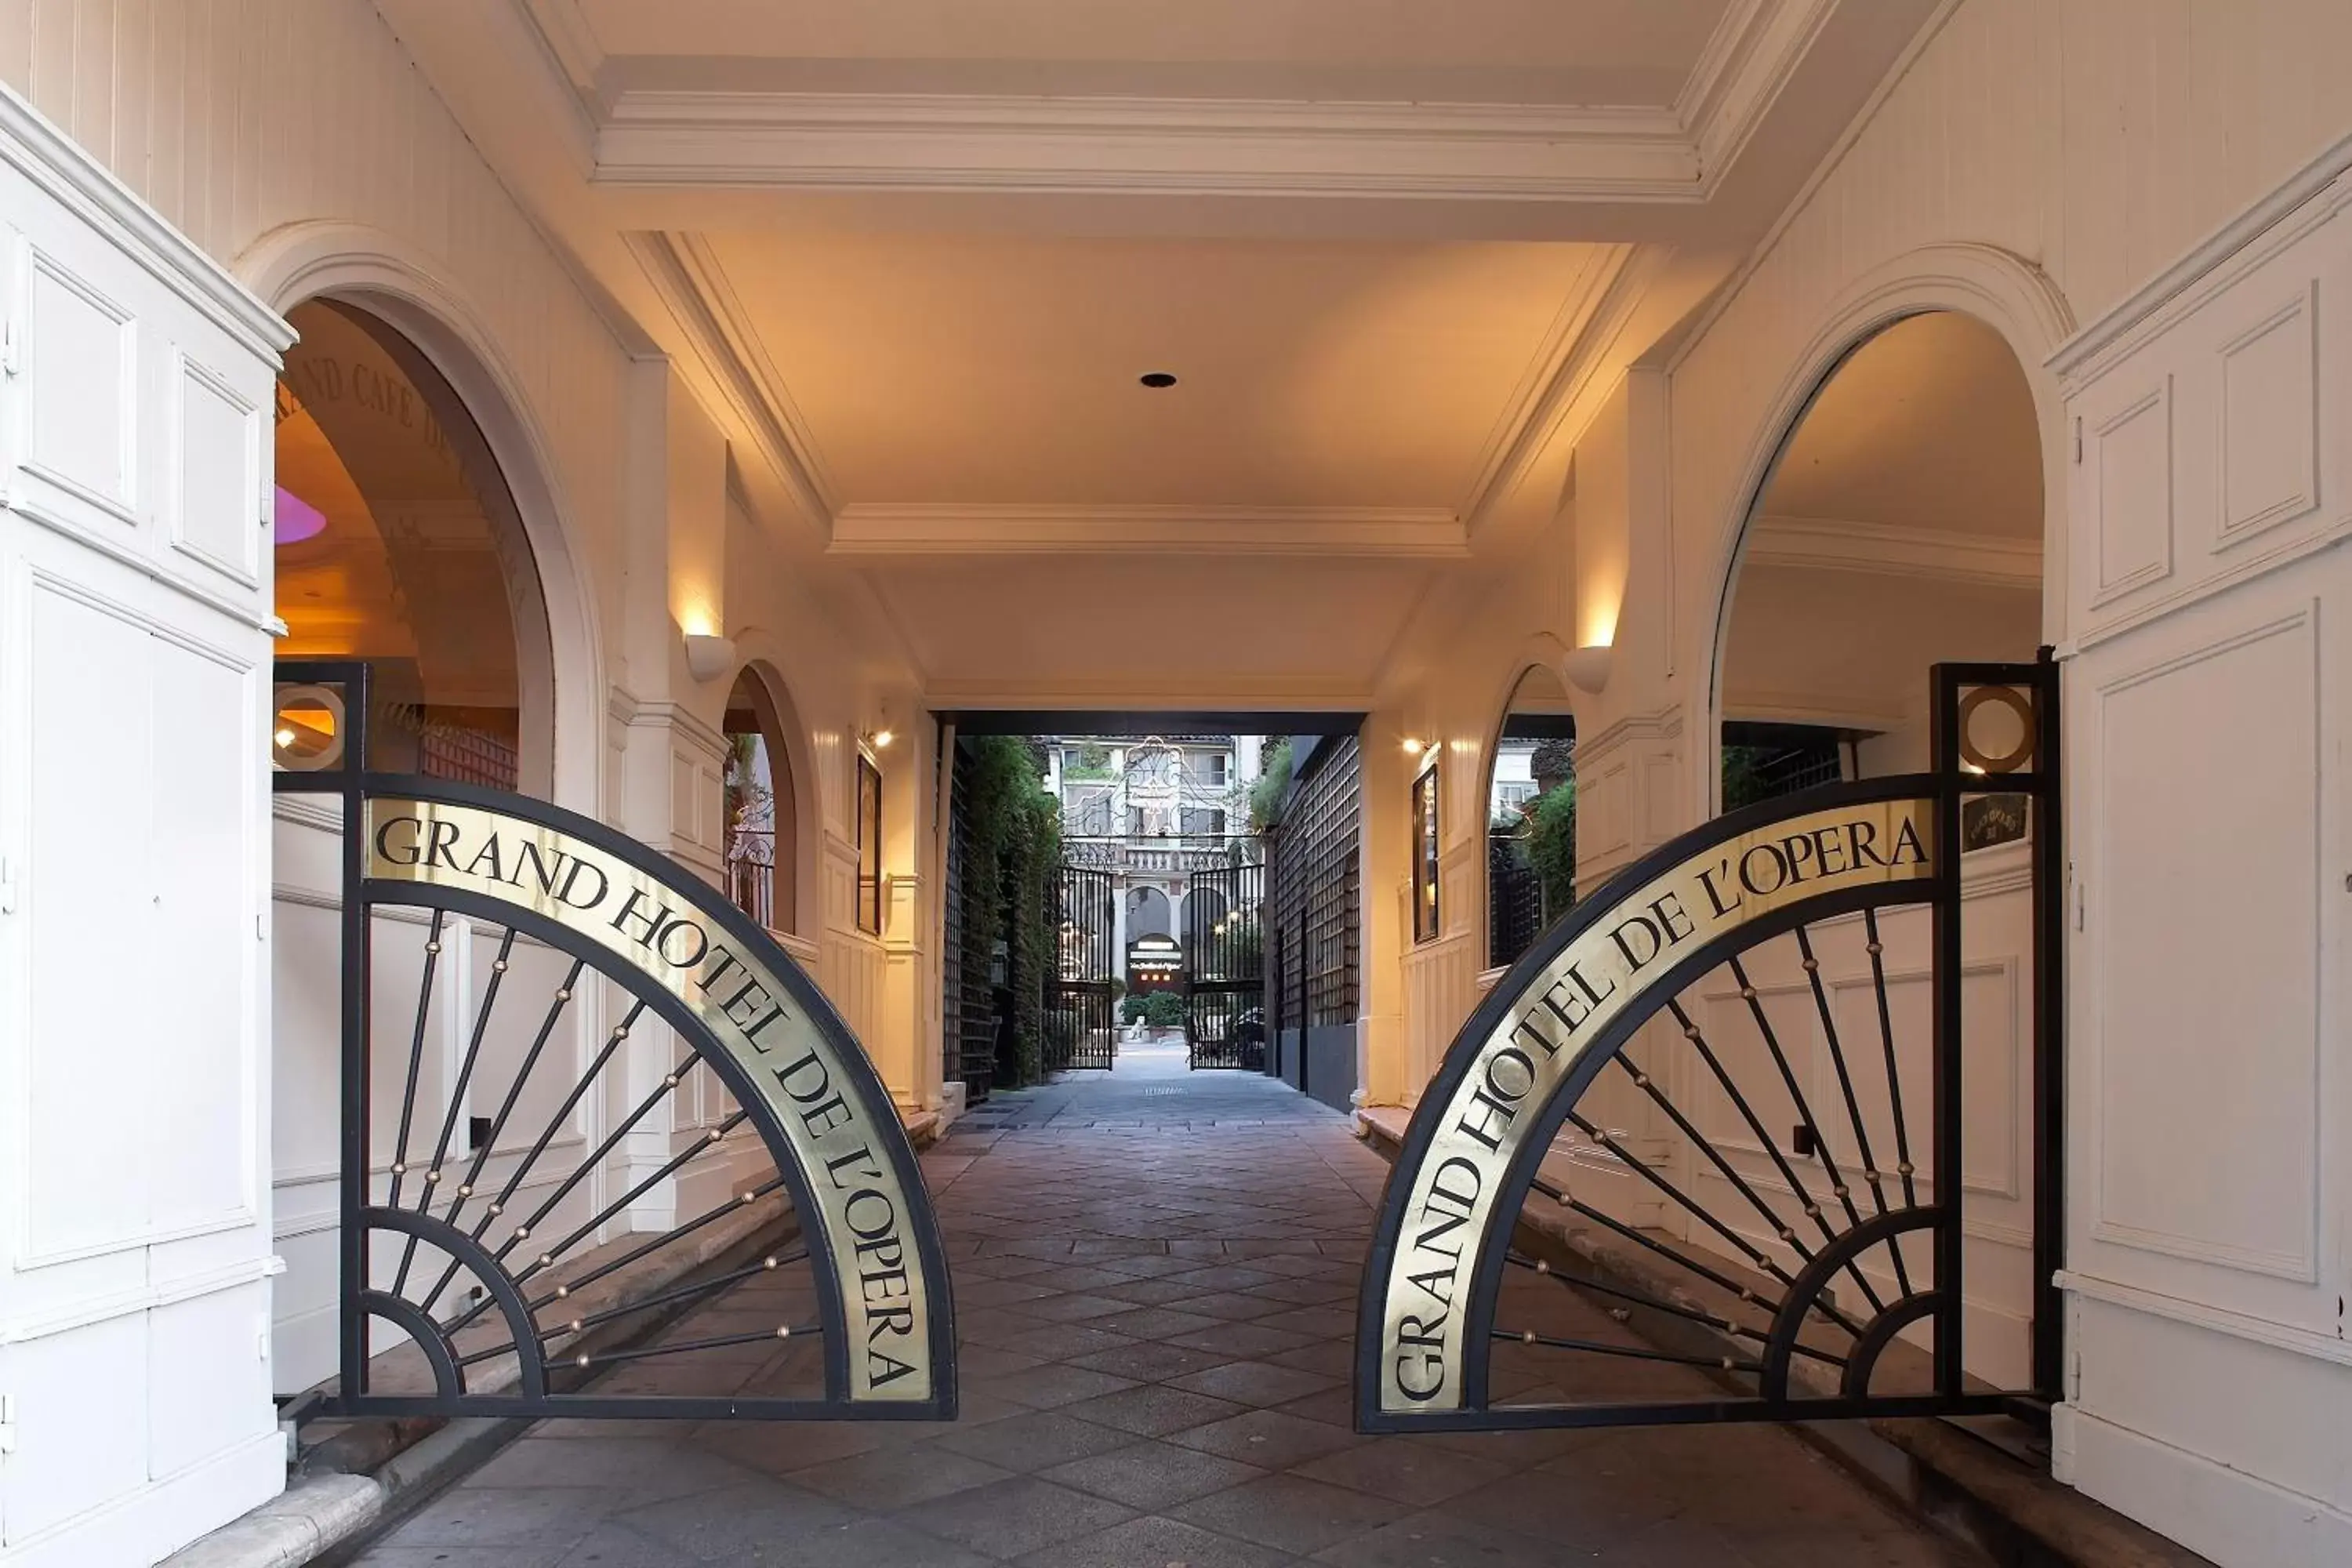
pixel 795 1069
pixel 1500 1099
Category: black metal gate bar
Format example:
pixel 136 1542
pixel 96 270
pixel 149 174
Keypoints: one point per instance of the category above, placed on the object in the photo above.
pixel 810 1334
pixel 1224 968
pixel 1786 1268
pixel 1081 1031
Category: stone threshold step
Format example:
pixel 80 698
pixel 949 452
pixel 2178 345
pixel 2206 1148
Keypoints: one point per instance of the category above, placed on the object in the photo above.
pixel 1955 1481
pixel 350 1484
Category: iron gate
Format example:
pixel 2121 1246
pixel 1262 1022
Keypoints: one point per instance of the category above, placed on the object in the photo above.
pixel 1698 1156
pixel 1082 1004
pixel 678 1124
pixel 1224 968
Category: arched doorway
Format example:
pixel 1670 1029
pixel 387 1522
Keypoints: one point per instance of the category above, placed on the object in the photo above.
pixel 398 542
pixel 1530 815
pixel 761 809
pixel 1149 912
pixel 1901 526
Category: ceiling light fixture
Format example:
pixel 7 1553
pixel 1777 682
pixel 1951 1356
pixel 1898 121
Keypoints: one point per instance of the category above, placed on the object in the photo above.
pixel 1157 379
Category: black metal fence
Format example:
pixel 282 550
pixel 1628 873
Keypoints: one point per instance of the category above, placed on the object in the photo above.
pixel 1516 914
pixel 1225 968
pixel 750 856
pixel 1082 995
pixel 1315 893
pixel 1765 761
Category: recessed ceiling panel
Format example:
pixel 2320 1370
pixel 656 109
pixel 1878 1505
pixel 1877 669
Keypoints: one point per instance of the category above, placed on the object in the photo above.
pixel 992 369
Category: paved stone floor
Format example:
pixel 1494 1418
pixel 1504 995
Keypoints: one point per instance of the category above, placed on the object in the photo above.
pixel 1155 1272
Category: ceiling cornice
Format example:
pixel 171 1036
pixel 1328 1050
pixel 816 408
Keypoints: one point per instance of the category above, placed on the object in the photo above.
pixel 673 137
pixel 570 41
pixel 1748 59
pixel 1170 146
pixel 1611 291
pixel 1883 550
pixel 863 529
pixel 686 274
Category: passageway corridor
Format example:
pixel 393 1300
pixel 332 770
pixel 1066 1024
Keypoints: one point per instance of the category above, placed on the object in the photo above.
pixel 1155 1276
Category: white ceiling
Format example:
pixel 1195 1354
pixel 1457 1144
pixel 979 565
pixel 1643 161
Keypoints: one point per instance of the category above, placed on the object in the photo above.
pixel 913 254
pixel 989 370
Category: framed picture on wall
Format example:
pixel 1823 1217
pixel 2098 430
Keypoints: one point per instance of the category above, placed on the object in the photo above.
pixel 869 847
pixel 1424 855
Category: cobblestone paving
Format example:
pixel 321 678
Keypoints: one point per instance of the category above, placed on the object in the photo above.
pixel 1154 1275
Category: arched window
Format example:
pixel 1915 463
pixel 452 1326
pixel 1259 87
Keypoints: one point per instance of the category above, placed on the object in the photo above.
pixel 1149 912
pixel 398 542
pixel 1205 910
pixel 760 812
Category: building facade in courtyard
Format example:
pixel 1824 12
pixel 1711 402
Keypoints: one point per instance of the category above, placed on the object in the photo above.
pixel 693 414
pixel 1153 811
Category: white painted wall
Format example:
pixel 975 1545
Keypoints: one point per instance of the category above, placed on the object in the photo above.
pixel 2209 1221
pixel 293 142
pixel 135 1249
pixel 2033 163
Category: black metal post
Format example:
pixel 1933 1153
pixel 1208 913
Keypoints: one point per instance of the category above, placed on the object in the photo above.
pixel 355 972
pixel 1950 1239
pixel 2049 1037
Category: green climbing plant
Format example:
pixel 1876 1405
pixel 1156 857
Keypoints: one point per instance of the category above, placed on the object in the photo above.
pixel 1016 849
pixel 1266 794
pixel 1552 846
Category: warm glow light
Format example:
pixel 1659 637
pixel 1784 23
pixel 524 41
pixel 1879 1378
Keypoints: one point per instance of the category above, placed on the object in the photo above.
pixel 883 738
pixel 285 737
pixel 1412 748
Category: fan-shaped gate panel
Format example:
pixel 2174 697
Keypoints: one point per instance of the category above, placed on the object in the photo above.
pixel 1700 1154
pixel 606 1150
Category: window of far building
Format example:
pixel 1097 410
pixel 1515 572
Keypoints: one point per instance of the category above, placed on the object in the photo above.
pixel 869 847
pixel 396 542
pixel 1425 856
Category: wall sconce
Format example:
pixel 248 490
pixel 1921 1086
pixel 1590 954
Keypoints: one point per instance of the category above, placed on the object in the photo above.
pixel 877 738
pixel 1588 667
pixel 1413 746
pixel 708 657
